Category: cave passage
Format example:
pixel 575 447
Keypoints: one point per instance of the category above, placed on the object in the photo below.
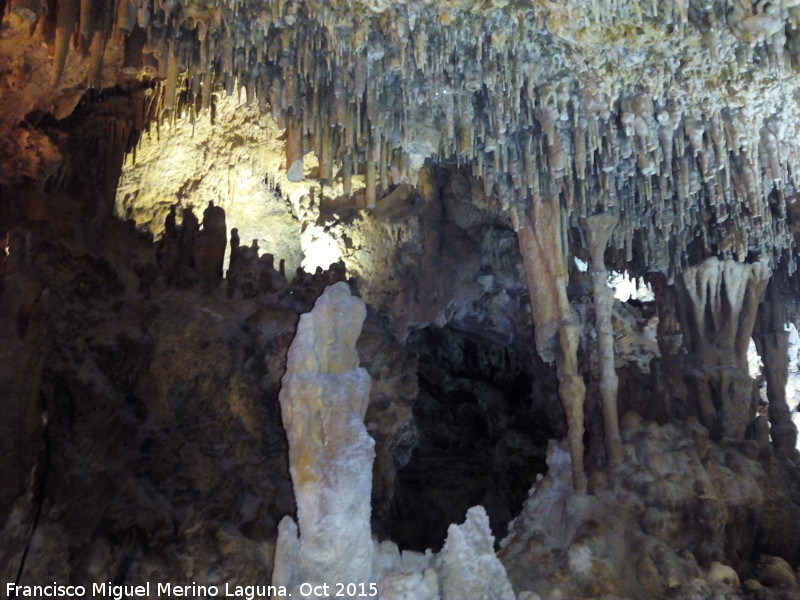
pixel 482 436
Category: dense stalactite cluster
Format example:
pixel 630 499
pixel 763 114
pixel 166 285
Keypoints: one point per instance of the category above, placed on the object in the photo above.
pixel 584 104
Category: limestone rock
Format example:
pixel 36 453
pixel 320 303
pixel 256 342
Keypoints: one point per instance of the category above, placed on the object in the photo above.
pixel 723 576
pixel 773 571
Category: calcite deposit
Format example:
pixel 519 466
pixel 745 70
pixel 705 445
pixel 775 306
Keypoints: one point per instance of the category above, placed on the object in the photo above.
pixel 324 398
pixel 323 292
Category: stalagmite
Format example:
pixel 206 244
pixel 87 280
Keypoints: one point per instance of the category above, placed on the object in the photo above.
pixel 468 566
pixel 323 402
pixel 557 332
pixel 717 308
pixel 598 229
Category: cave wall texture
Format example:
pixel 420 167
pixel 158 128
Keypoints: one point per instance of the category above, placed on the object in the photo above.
pixel 182 182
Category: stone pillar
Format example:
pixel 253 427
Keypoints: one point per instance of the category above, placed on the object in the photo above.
pixel 556 325
pixel 598 229
pixel 717 309
pixel 772 343
pixel 670 402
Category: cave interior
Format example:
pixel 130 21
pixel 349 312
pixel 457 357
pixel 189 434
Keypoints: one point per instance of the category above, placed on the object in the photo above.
pixel 463 299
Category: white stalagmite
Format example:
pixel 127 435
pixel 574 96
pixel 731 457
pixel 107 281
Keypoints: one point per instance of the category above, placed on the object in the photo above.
pixel 469 567
pixel 323 401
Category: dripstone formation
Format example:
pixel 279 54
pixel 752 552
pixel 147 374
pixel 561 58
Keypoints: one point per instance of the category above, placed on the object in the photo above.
pixel 451 186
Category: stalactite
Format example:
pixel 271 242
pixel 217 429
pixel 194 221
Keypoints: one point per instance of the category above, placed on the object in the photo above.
pixel 326 153
pixel 171 83
pixel 383 166
pixel 347 174
pixel 98 46
pixel 600 143
pixel 29 10
pixel 66 20
pixel 86 25
pixel 294 150
pixel 143 14
pixel 370 190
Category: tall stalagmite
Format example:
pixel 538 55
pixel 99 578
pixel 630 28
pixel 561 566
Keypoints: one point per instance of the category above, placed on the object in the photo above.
pixel 323 401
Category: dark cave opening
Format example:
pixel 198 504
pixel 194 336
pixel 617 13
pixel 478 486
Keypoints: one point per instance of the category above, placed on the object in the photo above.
pixel 483 420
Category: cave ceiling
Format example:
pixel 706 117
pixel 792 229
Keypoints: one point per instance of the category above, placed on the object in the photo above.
pixel 679 116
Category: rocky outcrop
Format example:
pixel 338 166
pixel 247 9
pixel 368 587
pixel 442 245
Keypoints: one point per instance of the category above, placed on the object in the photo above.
pixel 655 534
